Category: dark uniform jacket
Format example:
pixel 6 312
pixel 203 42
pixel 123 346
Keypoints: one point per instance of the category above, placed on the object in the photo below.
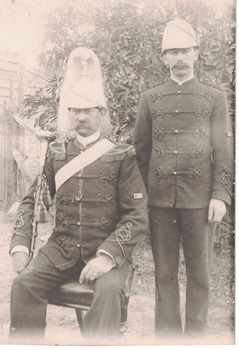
pixel 103 206
pixel 183 142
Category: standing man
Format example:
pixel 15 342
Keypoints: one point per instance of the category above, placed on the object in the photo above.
pixel 183 142
pixel 101 213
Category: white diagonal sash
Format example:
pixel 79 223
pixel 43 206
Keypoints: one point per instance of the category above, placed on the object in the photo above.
pixel 82 160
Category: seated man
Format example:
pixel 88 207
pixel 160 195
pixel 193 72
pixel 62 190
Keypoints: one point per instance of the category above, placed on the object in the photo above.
pixel 101 213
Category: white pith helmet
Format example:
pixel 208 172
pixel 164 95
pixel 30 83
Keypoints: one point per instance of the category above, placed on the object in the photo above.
pixel 178 34
pixel 82 87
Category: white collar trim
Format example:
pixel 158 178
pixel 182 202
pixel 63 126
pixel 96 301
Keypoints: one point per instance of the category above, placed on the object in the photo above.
pixel 89 139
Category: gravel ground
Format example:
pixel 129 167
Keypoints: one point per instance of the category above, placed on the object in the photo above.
pixel 62 327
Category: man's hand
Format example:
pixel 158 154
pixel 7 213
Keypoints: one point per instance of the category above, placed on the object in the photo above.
pixel 96 268
pixel 20 261
pixel 217 209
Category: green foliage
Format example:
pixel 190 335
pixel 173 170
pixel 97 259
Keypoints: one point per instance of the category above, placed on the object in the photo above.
pixel 127 40
pixel 225 236
pixel 43 105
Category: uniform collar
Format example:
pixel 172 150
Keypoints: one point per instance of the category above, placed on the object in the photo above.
pixel 89 139
pixel 180 83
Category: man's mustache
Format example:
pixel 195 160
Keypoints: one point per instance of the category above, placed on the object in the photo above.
pixel 76 122
pixel 180 65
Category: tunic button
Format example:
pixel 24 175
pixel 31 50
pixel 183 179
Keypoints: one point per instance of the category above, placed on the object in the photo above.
pixel 177 111
pixel 79 175
pixel 176 152
pixel 179 92
pixel 175 173
pixel 176 131
pixel 78 245
pixel 78 223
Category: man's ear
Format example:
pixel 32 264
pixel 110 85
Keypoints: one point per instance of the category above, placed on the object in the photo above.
pixel 164 59
pixel 196 53
pixel 103 111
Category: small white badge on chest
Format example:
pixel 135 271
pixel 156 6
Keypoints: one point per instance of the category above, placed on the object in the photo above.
pixel 138 195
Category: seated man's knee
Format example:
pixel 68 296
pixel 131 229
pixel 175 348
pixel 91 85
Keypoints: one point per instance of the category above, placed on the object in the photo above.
pixel 111 287
pixel 18 281
pixel 21 282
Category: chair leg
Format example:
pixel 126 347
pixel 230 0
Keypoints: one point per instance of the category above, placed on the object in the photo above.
pixel 124 315
pixel 80 317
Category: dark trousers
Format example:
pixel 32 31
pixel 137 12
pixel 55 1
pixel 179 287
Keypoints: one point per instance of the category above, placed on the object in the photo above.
pixel 29 298
pixel 168 227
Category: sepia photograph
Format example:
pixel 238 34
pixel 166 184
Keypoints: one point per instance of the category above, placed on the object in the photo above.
pixel 117 173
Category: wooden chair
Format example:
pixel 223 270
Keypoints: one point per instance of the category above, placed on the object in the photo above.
pixel 79 297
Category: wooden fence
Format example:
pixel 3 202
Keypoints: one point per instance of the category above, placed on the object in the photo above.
pixel 18 148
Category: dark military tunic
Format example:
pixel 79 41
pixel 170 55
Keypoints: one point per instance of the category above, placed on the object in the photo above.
pixel 183 142
pixel 103 206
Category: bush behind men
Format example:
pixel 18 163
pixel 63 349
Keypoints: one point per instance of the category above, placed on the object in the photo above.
pixel 183 144
pixel 101 213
